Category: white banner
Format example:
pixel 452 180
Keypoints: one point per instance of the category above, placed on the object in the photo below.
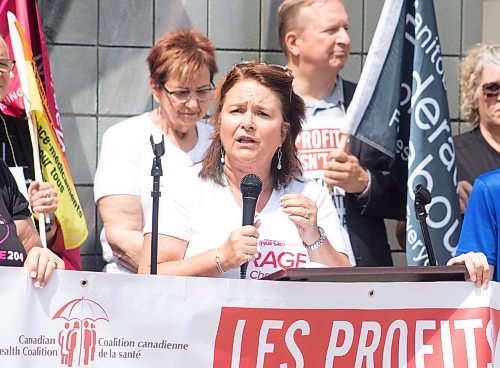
pixel 84 319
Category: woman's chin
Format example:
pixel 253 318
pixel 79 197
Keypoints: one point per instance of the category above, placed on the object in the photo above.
pixel 246 163
pixel 184 126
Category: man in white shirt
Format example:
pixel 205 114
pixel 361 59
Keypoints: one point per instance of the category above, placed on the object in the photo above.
pixel 314 36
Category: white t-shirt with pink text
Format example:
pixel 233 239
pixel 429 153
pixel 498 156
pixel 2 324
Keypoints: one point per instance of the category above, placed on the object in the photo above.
pixel 204 213
pixel 321 133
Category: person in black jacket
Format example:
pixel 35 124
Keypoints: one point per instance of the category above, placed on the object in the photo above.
pixel 314 36
pixel 478 151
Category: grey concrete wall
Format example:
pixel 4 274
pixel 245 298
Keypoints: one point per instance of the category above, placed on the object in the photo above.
pixel 98 50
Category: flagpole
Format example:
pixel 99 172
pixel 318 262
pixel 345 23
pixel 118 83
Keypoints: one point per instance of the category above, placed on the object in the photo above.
pixel 17 48
pixel 343 143
pixel 38 171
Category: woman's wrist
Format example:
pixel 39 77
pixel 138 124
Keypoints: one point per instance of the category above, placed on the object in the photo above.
pixel 318 243
pixel 218 262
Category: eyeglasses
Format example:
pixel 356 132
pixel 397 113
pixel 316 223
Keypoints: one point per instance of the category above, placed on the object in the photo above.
pixel 6 65
pixel 202 95
pixel 491 89
pixel 281 68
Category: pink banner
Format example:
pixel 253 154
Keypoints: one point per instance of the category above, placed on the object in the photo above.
pixel 26 12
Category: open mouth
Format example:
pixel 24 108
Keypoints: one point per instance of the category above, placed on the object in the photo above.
pixel 245 140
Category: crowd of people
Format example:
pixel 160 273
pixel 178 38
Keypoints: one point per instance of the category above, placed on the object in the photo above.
pixel 262 117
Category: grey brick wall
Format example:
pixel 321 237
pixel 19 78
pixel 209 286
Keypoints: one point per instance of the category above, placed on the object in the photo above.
pixel 98 50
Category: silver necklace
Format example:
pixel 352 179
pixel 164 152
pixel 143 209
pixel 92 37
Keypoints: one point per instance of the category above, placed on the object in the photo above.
pixel 10 142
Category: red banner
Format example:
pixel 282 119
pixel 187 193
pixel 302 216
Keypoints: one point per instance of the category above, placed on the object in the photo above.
pixel 431 337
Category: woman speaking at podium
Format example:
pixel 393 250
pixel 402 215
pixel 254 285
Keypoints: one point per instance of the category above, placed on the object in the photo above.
pixel 256 122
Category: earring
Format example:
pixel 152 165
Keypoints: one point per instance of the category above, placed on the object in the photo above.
pixel 158 110
pixel 280 154
pixel 222 160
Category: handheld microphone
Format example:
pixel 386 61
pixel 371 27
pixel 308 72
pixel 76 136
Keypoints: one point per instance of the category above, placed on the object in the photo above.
pixel 250 186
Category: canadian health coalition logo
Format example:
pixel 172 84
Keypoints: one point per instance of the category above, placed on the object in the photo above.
pixel 78 337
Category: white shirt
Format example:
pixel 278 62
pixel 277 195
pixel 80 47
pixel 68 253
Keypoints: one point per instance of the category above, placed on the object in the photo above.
pixel 321 133
pixel 204 213
pixel 126 160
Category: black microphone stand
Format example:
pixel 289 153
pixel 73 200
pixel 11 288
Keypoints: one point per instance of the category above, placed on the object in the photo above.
pixel 156 173
pixel 422 198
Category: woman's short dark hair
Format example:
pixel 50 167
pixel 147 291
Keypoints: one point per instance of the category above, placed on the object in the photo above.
pixel 279 80
pixel 181 54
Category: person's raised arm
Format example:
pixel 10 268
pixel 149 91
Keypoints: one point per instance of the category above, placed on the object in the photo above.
pixel 345 171
pixel 303 212
pixel 122 221
pixel 382 194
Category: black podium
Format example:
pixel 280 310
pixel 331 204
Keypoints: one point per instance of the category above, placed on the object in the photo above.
pixel 372 274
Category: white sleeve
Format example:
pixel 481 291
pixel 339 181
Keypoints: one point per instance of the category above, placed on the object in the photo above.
pixel 118 170
pixel 174 217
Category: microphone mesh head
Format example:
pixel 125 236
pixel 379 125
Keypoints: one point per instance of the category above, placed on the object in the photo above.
pixel 251 186
pixel 422 194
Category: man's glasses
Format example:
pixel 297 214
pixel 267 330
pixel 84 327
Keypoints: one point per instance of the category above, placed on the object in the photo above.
pixel 491 89
pixel 202 95
pixel 6 65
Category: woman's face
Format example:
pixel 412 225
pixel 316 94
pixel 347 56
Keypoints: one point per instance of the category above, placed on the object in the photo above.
pixel 251 125
pixel 489 107
pixel 4 76
pixel 182 115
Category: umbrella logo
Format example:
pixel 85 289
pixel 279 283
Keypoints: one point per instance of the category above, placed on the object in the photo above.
pixel 78 338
